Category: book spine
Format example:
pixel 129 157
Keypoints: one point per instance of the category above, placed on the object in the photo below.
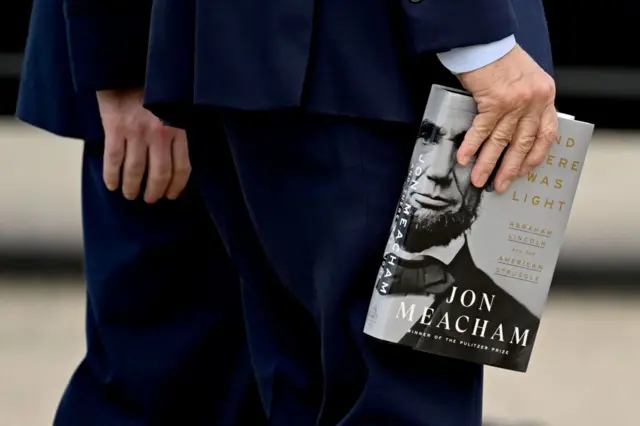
pixel 379 307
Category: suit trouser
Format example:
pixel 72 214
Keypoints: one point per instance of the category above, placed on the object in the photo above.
pixel 165 339
pixel 304 204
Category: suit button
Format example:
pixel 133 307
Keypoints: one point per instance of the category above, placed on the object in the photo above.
pixel 415 1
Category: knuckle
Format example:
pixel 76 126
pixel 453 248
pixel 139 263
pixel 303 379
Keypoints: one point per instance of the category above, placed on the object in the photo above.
pixel 548 136
pixel 161 175
pixel 487 171
pixel 545 90
pixel 182 171
pixel 523 96
pixel 534 160
pixel 135 169
pixel 140 128
pixel 118 127
pixel 182 167
pixel 478 131
pixel 506 99
pixel 114 154
pixel 160 140
pixel 511 170
pixel 522 148
pixel 525 143
pixel 133 127
pixel 160 145
pixel 159 179
pixel 488 164
pixel 512 99
pixel 472 144
pixel 550 86
pixel 156 127
pixel 500 139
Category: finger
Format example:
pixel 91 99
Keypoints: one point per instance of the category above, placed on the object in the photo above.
pixel 517 151
pixel 135 164
pixel 114 151
pixel 547 132
pixel 481 128
pixel 181 166
pixel 160 166
pixel 493 147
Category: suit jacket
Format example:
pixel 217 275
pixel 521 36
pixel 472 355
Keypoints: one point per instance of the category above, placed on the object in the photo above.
pixel 361 58
pixel 47 98
pixel 69 56
pixel 506 310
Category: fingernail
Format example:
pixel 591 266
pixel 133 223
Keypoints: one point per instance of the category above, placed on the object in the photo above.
pixel 464 161
pixel 482 180
pixel 505 185
pixel 524 171
pixel 172 196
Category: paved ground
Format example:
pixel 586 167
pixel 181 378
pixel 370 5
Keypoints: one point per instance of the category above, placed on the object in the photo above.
pixel 41 340
pixel 584 371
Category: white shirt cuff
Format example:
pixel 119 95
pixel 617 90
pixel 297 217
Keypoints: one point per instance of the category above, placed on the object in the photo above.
pixel 470 58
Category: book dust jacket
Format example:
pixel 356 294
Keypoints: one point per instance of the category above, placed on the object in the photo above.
pixel 466 271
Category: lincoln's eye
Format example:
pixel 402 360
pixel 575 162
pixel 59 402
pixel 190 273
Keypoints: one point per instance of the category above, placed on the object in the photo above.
pixel 428 132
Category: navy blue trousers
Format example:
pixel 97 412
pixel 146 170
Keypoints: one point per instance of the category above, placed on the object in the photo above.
pixel 304 204
pixel 166 343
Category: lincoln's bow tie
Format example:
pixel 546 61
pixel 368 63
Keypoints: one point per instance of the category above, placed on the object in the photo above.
pixel 425 276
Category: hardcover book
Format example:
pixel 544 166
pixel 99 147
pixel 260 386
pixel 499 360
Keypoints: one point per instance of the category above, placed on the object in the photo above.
pixel 466 271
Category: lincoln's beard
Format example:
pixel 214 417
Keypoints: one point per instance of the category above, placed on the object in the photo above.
pixel 430 228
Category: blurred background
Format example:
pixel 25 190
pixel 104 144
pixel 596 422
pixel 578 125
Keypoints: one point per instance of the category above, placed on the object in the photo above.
pixel 585 367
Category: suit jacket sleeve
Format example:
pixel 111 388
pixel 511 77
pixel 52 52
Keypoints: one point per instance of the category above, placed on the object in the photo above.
pixel 441 25
pixel 107 42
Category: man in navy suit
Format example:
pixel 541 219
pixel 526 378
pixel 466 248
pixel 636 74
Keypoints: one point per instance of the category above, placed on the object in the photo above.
pixel 166 343
pixel 301 117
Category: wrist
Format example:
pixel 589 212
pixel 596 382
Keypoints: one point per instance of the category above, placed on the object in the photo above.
pixel 119 92
pixel 111 95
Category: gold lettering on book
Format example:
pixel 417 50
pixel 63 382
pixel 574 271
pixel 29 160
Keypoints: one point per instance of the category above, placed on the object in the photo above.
pixel 520 263
pixel 542 177
pixel 531 229
pixel 538 201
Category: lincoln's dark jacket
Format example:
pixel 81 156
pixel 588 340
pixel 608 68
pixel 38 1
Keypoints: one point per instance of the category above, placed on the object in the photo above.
pixel 505 310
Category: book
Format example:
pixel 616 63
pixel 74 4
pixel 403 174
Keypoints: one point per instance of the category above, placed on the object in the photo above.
pixel 466 271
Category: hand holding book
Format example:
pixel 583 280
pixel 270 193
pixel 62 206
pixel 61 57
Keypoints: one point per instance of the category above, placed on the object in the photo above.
pixel 516 113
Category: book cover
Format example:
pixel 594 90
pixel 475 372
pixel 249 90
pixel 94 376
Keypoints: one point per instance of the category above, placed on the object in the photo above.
pixel 466 271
